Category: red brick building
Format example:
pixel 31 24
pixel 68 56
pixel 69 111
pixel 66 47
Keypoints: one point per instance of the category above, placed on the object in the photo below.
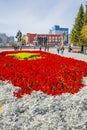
pixel 52 39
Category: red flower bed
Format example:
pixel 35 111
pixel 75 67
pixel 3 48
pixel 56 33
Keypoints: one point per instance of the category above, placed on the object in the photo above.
pixel 53 74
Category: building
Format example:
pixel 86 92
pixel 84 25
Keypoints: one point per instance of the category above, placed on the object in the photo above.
pixel 11 39
pixel 56 29
pixel 3 39
pixel 6 40
pixel 52 39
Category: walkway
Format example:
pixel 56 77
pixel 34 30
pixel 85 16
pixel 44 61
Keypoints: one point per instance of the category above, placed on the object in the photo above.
pixel 78 56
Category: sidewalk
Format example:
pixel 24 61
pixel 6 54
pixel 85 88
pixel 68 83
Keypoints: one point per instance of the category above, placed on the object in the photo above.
pixel 78 56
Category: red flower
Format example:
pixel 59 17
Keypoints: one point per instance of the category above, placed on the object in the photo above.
pixel 52 74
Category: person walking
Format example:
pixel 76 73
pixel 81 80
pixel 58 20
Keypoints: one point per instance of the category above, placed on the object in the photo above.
pixel 48 47
pixel 40 47
pixel 58 48
pixel 69 48
pixel 62 49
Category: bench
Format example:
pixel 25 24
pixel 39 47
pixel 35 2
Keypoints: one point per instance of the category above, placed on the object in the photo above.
pixel 76 49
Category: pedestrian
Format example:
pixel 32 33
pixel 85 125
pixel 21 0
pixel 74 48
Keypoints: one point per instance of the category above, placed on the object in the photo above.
pixel 69 48
pixel 58 48
pixel 47 47
pixel 62 49
pixel 45 43
pixel 40 47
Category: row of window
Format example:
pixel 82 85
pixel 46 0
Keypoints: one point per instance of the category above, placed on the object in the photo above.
pixel 55 39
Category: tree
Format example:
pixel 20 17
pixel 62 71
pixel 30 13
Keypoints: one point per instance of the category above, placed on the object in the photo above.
pixel 84 28
pixel 23 40
pixel 85 16
pixel 84 32
pixel 76 37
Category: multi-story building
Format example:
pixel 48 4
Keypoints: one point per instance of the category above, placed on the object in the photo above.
pixel 6 40
pixel 3 39
pixel 56 29
pixel 11 39
pixel 52 39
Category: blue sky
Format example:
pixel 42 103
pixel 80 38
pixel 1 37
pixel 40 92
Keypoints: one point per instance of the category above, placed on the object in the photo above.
pixel 37 16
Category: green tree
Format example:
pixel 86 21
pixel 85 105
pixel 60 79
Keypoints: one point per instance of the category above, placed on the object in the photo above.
pixel 84 28
pixel 76 37
pixel 85 16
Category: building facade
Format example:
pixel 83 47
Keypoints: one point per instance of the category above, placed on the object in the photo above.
pixel 56 29
pixel 52 39
pixel 3 39
pixel 11 39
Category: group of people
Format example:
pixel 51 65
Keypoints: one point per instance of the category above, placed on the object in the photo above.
pixel 60 49
pixel 43 42
pixel 46 47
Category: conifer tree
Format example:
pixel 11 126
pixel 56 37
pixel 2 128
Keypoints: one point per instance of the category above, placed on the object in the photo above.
pixel 84 28
pixel 76 36
pixel 84 32
pixel 85 16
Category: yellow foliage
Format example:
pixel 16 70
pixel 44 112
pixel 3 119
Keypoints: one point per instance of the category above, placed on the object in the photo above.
pixel 84 32
pixel 1 108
